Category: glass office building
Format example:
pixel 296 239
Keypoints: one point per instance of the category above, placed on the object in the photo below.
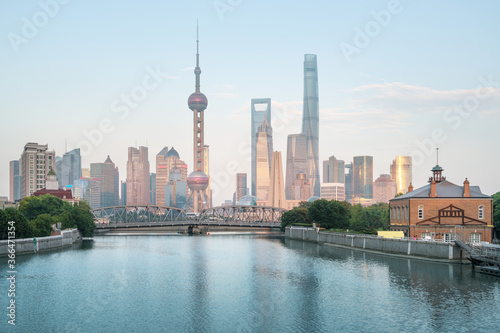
pixel 310 119
pixel 261 108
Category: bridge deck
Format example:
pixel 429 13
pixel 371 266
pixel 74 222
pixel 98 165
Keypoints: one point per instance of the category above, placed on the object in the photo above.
pixel 186 223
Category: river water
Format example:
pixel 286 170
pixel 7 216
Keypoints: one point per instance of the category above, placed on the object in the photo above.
pixel 242 283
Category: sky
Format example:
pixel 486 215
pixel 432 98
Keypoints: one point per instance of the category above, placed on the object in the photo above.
pixel 395 78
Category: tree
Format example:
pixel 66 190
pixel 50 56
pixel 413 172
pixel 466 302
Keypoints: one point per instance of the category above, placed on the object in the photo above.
pixel 83 219
pixel 24 229
pixel 42 225
pixel 496 211
pixel 33 206
pixel 358 220
pixel 3 225
pixel 296 215
pixel 329 214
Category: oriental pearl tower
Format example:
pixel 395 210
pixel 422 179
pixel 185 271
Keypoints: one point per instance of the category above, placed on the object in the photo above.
pixel 197 180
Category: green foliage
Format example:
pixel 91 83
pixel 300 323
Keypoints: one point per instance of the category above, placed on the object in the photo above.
pixel 398 195
pixel 83 219
pixel 304 204
pixel 35 217
pixel 369 219
pixel 23 229
pixel 339 215
pixel 296 215
pixel 496 209
pixel 66 219
pixel 33 206
pixel 496 213
pixel 329 214
pixel 42 225
pixel 3 225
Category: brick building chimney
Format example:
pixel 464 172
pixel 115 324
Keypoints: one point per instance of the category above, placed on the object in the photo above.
pixel 410 188
pixel 433 193
pixel 466 188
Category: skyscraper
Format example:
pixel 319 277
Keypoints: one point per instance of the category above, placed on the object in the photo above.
pixel 108 174
pixel 310 120
pixel 14 181
pixel 384 189
pixel 241 186
pixel 333 191
pixel 301 189
pixel 348 182
pixel 401 173
pixel 176 190
pixel 363 177
pixel 336 173
pixel 88 190
pixel 167 160
pixel 198 180
pixel 71 168
pixel 277 185
pixel 261 108
pixel 152 188
pixel 138 190
pixel 36 162
pixel 264 135
pixel 325 171
pixel 296 160
pixel 123 190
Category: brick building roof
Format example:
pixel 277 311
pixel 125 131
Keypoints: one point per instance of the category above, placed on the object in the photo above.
pixel 445 189
pixel 60 193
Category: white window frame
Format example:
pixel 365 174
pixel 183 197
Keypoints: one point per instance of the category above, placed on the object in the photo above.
pixel 480 212
pixel 475 238
pixel 421 212
pixel 449 237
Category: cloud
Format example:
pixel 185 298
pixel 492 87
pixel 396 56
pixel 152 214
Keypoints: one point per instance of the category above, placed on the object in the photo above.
pixel 391 106
pixel 405 98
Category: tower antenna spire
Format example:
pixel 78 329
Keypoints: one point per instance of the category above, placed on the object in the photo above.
pixel 437 156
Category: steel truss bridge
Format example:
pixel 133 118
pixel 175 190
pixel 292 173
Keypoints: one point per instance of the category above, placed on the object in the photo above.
pixel 138 216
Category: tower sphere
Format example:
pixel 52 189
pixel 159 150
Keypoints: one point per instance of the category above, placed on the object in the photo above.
pixel 197 101
pixel 197 181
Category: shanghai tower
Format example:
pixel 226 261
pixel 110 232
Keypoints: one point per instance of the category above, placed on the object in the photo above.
pixel 310 120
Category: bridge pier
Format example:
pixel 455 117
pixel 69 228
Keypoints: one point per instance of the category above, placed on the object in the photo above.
pixel 197 230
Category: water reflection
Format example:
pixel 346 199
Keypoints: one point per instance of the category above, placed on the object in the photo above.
pixel 245 283
pixel 438 295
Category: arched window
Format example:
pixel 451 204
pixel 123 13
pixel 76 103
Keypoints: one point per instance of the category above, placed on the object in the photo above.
pixel 398 212
pixel 407 212
pixel 481 212
pixel 420 212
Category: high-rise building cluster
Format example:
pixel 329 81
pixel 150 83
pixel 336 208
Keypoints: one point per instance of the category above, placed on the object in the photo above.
pixel 358 180
pixel 352 181
pixel 172 185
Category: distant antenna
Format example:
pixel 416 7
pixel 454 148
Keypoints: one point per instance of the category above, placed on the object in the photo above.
pixel 437 156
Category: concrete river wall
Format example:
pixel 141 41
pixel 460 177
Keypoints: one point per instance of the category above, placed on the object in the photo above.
pixel 27 245
pixel 405 247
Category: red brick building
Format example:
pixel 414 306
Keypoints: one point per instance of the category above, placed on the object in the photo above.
pixel 441 209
